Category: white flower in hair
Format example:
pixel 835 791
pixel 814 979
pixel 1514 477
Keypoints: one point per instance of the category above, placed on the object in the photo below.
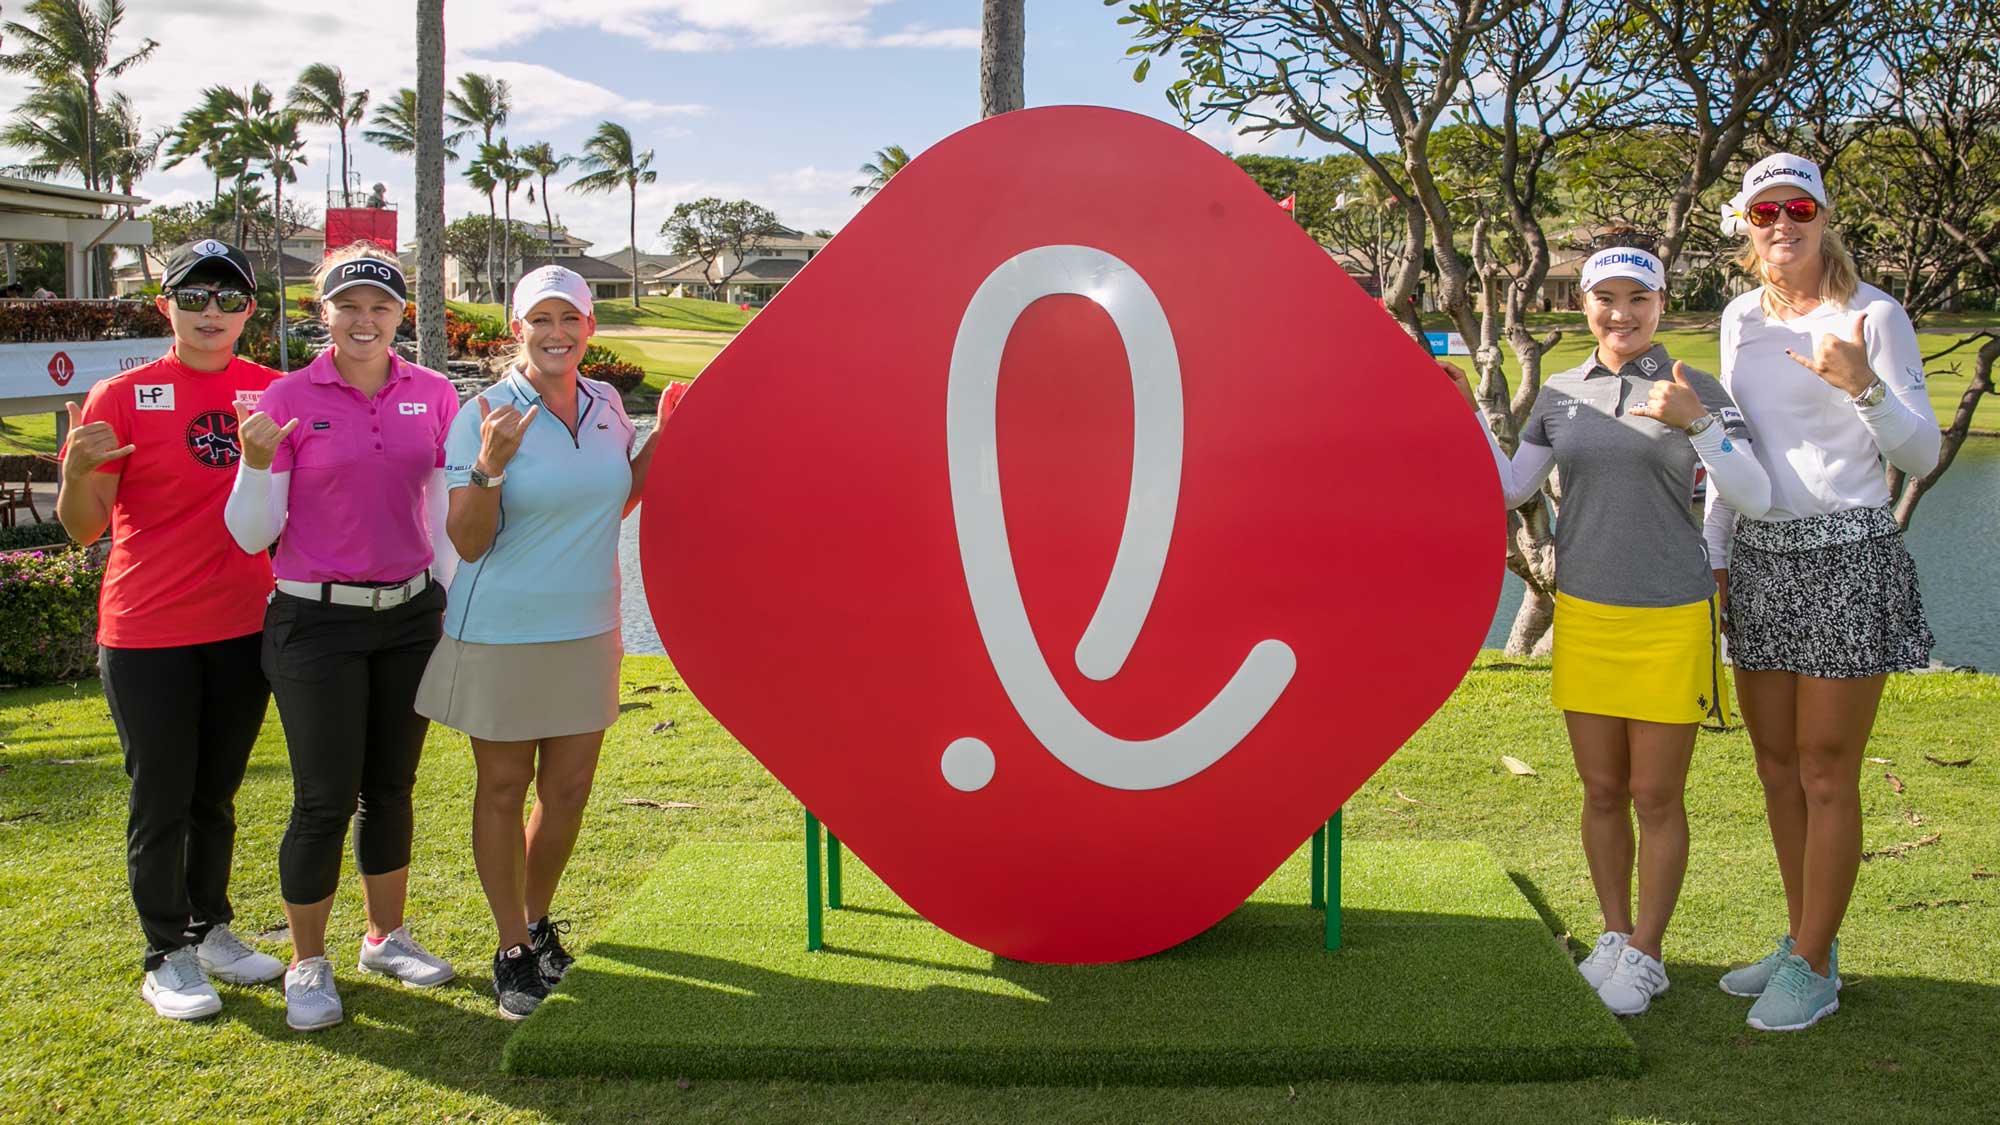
pixel 1733 219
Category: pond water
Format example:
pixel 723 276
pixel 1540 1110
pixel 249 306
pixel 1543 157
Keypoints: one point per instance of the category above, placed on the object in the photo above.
pixel 1955 539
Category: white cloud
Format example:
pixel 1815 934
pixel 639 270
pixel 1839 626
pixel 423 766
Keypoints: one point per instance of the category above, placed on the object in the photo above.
pixel 919 36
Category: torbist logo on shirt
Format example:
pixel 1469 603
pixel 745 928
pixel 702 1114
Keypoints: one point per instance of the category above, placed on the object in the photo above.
pixel 211 438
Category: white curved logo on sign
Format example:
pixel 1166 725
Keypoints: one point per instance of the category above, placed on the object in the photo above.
pixel 972 450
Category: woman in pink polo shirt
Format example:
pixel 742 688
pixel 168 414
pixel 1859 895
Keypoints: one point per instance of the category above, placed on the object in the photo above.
pixel 345 457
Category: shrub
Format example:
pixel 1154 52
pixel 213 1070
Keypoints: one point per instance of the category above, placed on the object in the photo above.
pixel 48 614
pixel 623 377
pixel 24 535
pixel 30 322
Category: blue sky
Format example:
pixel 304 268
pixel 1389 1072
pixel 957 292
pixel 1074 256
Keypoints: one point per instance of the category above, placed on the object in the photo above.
pixel 779 101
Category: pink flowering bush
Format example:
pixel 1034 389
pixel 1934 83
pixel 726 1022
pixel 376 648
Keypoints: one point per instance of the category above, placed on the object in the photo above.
pixel 48 614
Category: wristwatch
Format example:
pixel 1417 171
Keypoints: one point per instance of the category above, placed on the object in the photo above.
pixel 1699 424
pixel 1872 396
pixel 481 480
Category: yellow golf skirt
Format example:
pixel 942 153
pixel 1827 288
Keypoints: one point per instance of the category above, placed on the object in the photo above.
pixel 1658 664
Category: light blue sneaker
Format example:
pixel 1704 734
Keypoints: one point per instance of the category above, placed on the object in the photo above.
pixel 1796 998
pixel 1751 979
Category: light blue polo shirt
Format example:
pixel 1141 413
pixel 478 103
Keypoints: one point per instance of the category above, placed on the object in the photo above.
pixel 552 572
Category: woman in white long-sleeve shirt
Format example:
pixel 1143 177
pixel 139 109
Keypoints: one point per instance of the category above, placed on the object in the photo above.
pixel 1637 664
pixel 1821 593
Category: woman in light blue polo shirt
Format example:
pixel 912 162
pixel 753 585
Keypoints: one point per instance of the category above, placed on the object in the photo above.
pixel 541 466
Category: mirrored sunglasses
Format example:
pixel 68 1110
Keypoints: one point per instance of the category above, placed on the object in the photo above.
pixel 196 299
pixel 1802 210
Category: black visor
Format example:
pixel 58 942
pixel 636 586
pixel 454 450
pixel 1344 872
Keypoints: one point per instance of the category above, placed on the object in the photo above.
pixel 382 275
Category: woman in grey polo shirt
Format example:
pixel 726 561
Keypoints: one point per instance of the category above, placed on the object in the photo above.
pixel 1823 600
pixel 1636 660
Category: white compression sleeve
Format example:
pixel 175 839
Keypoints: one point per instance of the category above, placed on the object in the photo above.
pixel 1718 525
pixel 255 512
pixel 1734 472
pixel 1522 475
pixel 437 504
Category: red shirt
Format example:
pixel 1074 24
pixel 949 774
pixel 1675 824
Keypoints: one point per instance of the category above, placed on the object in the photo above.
pixel 175 577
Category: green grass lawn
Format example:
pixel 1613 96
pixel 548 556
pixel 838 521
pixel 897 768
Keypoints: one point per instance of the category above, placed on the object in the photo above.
pixel 1913 1041
pixel 665 357
pixel 35 431
pixel 653 312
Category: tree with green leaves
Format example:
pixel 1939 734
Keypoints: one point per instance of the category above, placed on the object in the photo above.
pixel 885 165
pixel 132 152
pixel 206 131
pixel 481 102
pixel 503 167
pixel 610 161
pixel 74 41
pixel 465 240
pixel 722 233
pixel 274 142
pixel 395 127
pixel 321 97
pixel 542 161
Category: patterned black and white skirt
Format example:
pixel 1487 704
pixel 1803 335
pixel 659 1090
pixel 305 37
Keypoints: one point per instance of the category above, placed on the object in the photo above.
pixel 1832 596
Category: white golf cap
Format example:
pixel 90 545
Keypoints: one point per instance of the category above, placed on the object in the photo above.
pixel 1782 169
pixel 539 285
pixel 1623 261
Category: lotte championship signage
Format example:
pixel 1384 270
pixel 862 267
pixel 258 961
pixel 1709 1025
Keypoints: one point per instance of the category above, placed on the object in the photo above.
pixel 1072 536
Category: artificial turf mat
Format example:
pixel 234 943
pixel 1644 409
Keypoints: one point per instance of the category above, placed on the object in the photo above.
pixel 1446 972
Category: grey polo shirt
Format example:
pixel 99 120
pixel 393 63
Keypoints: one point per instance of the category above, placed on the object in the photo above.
pixel 1626 533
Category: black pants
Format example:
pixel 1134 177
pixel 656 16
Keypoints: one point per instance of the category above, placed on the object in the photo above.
pixel 345 678
pixel 187 717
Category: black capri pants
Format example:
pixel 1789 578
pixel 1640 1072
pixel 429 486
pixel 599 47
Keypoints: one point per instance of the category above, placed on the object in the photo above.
pixel 187 717
pixel 345 679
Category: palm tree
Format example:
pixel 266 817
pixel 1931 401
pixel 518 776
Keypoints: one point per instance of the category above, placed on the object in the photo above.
pixel 1001 35
pixel 321 97
pixel 72 40
pixel 541 160
pixel 132 155
pixel 483 180
pixel 203 131
pixel 611 163
pixel 887 162
pixel 481 102
pixel 49 126
pixel 432 149
pixel 504 165
pixel 396 127
pixel 274 142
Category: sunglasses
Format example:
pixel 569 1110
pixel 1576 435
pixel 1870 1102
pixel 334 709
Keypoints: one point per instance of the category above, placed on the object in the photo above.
pixel 195 300
pixel 1798 210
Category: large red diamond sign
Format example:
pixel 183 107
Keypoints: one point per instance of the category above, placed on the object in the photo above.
pixel 1072 536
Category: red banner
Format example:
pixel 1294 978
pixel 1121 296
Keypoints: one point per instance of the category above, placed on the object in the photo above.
pixel 360 224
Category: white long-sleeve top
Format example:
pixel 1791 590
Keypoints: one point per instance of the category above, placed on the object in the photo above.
pixel 1823 453
pixel 259 501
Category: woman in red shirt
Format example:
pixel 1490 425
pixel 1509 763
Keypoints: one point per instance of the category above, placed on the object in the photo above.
pixel 151 456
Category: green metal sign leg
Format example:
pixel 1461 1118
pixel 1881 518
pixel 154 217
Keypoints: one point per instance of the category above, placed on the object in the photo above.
pixel 1333 881
pixel 1319 868
pixel 813 937
pixel 832 870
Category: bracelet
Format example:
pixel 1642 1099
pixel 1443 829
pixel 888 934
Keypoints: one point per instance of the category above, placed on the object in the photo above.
pixel 1699 424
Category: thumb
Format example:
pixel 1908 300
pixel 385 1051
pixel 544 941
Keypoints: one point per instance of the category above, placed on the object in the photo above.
pixel 1680 374
pixel 484 408
pixel 75 415
pixel 1860 322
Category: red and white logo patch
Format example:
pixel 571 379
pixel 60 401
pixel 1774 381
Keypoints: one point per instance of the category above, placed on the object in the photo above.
pixel 1072 536
pixel 62 368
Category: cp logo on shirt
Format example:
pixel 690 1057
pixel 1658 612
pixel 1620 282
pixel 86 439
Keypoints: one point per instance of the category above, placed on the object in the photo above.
pixel 412 407
pixel 1076 584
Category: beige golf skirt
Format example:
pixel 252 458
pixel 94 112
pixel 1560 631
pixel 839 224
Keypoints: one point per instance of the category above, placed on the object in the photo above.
pixel 524 692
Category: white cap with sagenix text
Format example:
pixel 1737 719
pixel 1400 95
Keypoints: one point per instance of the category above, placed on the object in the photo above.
pixel 540 284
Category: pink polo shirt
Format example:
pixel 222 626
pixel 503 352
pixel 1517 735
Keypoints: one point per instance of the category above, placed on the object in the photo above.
pixel 355 511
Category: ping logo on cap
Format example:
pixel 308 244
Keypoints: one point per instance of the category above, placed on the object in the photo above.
pixel 366 267
pixel 210 248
